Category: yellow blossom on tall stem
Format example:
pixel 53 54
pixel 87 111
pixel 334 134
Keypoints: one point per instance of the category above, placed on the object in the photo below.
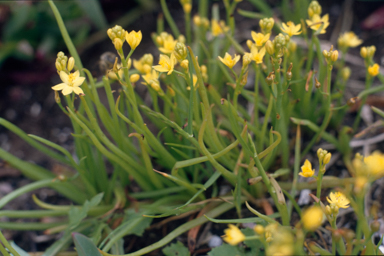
pixel 306 169
pixel 233 235
pixel 316 22
pixel 133 38
pixel 168 45
pixel 291 29
pixel 259 38
pixel 338 199
pixel 229 61
pixel 218 28
pixel 374 69
pixel 166 63
pixel 257 55
pixel 71 83
pixel 348 39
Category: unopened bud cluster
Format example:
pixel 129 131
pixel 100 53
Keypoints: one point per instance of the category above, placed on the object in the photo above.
pixel 117 35
pixel 266 25
pixel 324 158
pixel 314 9
pixel 368 52
pixel 331 56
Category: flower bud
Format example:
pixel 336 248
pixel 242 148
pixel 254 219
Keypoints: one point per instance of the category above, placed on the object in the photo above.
pixel 180 51
pixel 335 55
pixel 375 226
pixel 259 229
pixel 71 64
pixel 363 52
pixel 328 210
pixel 116 32
pixel 134 78
pixel 266 25
pixel 187 8
pixel 249 43
pixel 184 64
pixel 58 66
pixel 269 47
pixel 197 20
pixel 317 84
pixel 155 85
pixel 371 51
pixel 118 43
pixel 292 46
pixel 314 9
pixel 345 73
pixel 181 39
pixel 327 158
pixel 247 59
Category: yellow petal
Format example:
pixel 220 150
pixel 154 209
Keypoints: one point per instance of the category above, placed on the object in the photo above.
pixel 78 90
pixel 64 77
pixel 67 90
pixel 59 87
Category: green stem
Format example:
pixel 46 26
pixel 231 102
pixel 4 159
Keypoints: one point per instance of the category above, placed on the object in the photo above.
pixel 169 18
pixel 7 245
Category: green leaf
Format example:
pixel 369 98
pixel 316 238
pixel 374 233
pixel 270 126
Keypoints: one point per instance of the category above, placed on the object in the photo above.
pixel 76 215
pixel 176 249
pixel 226 250
pixel 84 245
pixel 255 247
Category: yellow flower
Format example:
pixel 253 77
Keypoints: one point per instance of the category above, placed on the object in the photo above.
pixel 375 163
pixel 306 170
pixel 70 83
pixel 228 61
pixel 374 69
pixel 338 199
pixel 257 55
pixel 151 77
pixel 133 38
pixel 233 235
pixel 260 38
pixel 144 64
pixel 166 64
pixel 218 28
pixel 291 29
pixel 168 45
pixel 317 22
pixel 312 218
pixel 348 39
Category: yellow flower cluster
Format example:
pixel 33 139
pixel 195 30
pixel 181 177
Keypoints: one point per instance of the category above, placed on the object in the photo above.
pixel 118 36
pixel 316 22
pixel 218 27
pixel 70 81
pixel 291 29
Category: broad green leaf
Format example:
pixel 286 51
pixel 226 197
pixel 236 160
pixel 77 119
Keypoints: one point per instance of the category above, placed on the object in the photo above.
pixel 226 250
pixel 176 249
pixel 84 245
